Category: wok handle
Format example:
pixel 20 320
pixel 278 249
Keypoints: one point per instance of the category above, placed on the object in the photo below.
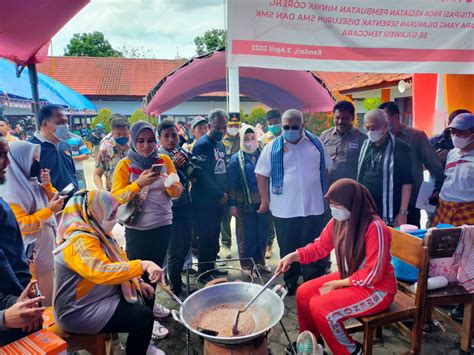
pixel 282 289
pixel 175 315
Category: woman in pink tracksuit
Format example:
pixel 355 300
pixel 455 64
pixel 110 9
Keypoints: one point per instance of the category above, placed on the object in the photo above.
pixel 364 283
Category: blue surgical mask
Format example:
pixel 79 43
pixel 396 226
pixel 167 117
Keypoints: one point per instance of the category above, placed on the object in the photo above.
pixel 121 140
pixel 292 136
pixel 62 132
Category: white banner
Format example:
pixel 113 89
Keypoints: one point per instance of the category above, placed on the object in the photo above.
pixel 390 36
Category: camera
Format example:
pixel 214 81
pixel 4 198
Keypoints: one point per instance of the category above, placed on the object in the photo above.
pixel 192 162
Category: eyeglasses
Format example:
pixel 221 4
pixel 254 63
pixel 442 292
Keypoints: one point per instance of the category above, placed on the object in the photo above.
pixel 293 128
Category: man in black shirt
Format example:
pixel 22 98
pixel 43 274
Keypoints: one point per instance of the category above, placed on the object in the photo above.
pixel 209 195
pixel 385 169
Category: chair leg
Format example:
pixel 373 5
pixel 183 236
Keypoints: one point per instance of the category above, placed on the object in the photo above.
pixel 417 334
pixel 467 327
pixel 379 332
pixel 368 339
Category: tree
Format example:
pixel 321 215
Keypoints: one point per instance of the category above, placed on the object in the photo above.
pixel 317 122
pixel 104 118
pixel 139 115
pixel 136 52
pixel 210 41
pixel 256 115
pixel 371 103
pixel 90 45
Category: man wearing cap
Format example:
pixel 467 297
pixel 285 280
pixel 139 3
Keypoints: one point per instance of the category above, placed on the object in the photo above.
pixel 198 129
pixel 273 118
pixel 343 142
pixel 456 199
pixel 232 145
pixel 422 154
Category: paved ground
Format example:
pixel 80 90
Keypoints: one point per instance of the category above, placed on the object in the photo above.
pixel 435 342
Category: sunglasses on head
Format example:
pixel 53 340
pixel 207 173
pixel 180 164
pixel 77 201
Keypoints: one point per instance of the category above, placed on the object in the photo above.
pixel 293 128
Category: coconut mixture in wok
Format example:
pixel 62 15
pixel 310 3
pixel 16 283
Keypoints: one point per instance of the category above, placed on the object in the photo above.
pixel 221 317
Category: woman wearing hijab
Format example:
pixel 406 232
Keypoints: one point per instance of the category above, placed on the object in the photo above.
pixel 244 201
pixel 364 283
pixel 34 204
pixel 148 237
pixel 97 289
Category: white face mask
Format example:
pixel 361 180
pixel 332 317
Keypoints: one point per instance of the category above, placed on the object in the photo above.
pixel 340 214
pixel 461 142
pixel 250 146
pixel 233 131
pixel 108 226
pixel 375 136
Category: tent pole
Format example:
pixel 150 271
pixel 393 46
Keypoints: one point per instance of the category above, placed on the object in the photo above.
pixel 234 90
pixel 34 92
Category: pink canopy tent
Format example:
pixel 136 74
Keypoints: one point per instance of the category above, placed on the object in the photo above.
pixel 26 30
pixel 27 27
pixel 275 88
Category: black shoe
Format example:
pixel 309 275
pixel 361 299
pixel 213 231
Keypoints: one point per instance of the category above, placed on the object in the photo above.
pixel 359 349
pixel 205 278
pixel 220 272
pixel 457 313
pixel 291 349
pixel 291 288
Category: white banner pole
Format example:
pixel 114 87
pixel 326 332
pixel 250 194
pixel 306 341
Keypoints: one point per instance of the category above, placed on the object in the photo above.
pixel 234 89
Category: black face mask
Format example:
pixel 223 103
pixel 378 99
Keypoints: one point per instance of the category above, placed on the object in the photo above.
pixel 35 169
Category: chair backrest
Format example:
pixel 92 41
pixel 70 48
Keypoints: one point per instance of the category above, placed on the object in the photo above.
pixel 407 248
pixel 411 250
pixel 442 243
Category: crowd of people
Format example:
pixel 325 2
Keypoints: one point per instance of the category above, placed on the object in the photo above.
pixel 175 196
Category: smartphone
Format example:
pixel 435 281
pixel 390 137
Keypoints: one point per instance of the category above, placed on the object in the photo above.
pixel 67 190
pixel 30 250
pixel 157 168
pixel 37 292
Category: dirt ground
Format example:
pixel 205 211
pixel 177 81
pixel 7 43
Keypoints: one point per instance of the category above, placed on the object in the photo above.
pixel 435 342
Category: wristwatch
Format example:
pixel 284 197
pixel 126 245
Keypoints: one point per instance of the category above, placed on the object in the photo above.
pixel 403 212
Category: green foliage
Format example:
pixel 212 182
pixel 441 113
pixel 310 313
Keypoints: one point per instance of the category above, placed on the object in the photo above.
pixel 371 103
pixel 256 115
pixel 104 118
pixel 210 41
pixel 90 45
pixel 317 122
pixel 139 115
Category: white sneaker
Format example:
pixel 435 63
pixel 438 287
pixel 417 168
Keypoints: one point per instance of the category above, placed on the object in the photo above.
pixel 159 331
pixel 153 350
pixel 160 311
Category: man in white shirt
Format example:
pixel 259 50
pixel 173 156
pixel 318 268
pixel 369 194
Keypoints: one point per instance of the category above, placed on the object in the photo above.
pixel 294 168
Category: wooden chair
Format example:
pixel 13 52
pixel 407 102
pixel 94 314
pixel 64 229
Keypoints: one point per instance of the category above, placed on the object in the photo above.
pixel 412 251
pixel 442 243
pixel 97 344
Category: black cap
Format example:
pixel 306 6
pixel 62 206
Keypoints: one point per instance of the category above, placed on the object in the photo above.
pixel 275 113
pixel 234 117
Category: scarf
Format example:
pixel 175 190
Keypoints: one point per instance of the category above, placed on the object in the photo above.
pixel 19 188
pixel 387 176
pixel 349 236
pixel 81 216
pixel 277 163
pixel 138 160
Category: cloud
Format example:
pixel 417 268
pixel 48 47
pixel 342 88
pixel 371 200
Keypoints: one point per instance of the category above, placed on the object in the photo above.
pixel 160 26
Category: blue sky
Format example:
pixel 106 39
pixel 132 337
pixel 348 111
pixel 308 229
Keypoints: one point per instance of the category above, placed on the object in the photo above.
pixel 157 26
